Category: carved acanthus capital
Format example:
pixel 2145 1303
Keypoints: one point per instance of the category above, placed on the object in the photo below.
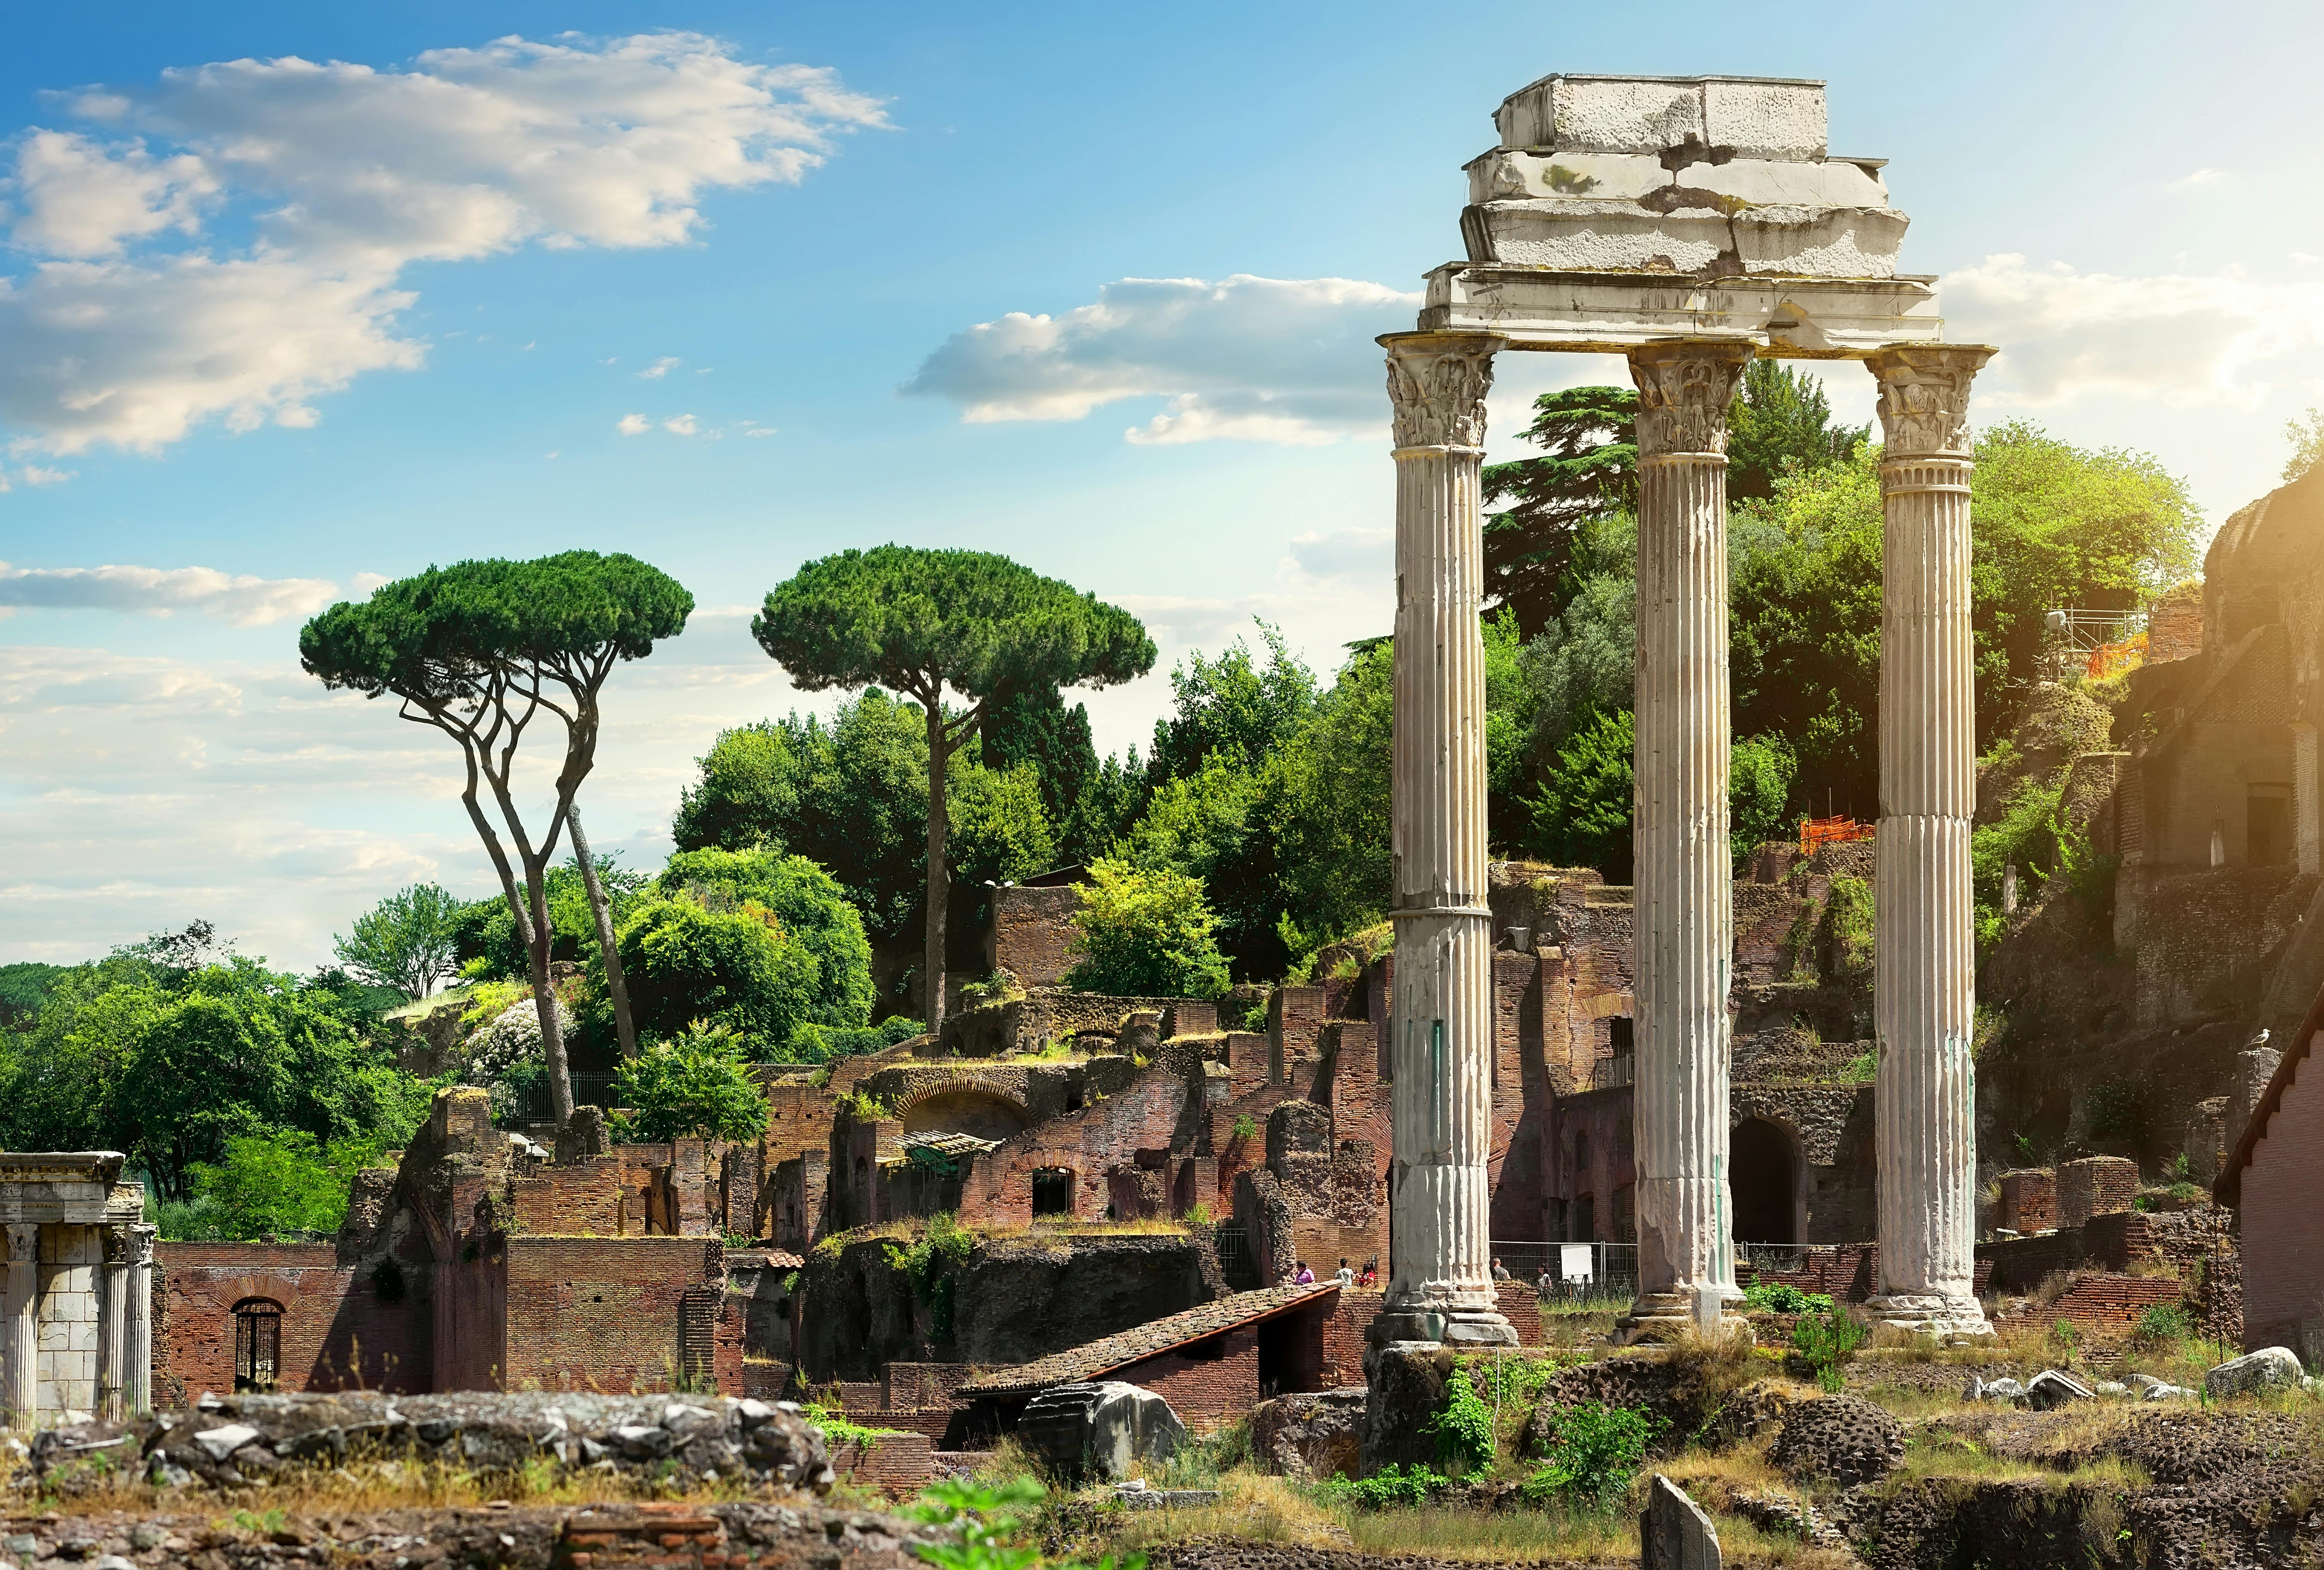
pixel 1684 390
pixel 141 1244
pixel 1437 382
pixel 1925 397
pixel 24 1243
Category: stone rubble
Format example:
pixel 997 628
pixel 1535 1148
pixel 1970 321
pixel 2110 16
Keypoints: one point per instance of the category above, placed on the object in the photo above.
pixel 223 1442
pixel 2269 1368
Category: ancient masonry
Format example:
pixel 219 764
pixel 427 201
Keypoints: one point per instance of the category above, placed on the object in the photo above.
pixel 1690 224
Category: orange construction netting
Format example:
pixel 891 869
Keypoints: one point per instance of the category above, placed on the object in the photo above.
pixel 1817 832
pixel 2111 659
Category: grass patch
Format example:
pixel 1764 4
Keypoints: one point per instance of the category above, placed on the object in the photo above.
pixel 1503 1537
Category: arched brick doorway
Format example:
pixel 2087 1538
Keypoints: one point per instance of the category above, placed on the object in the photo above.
pixel 1763 1165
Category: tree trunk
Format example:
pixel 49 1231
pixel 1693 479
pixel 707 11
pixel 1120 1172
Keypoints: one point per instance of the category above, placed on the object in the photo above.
pixel 932 968
pixel 615 988
pixel 544 996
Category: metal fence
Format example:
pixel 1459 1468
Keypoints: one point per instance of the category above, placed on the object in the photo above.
pixel 1766 1257
pixel 1235 1261
pixel 1574 1275
pixel 1612 1073
pixel 591 1088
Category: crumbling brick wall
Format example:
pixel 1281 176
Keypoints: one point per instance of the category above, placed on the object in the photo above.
pixel 1090 1143
pixel 1205 1384
pixel 619 1314
pixel 2094 1186
pixel 1033 936
pixel 2029 1200
pixel 2282 1245
pixel 339 1328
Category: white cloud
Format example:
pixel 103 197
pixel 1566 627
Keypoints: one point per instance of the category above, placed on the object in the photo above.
pixel 2183 340
pixel 350 174
pixel 242 600
pixel 2196 179
pixel 683 425
pixel 659 368
pixel 83 199
pixel 634 425
pixel 1288 360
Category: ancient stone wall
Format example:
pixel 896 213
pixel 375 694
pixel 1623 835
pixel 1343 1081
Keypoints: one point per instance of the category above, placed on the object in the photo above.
pixel 1205 1384
pixel 2094 1186
pixel 2282 1245
pixel 619 1315
pixel 2029 1200
pixel 1148 1114
pixel 1033 936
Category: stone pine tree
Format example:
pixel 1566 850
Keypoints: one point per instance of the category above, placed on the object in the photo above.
pixel 482 651
pixel 1589 467
pixel 923 622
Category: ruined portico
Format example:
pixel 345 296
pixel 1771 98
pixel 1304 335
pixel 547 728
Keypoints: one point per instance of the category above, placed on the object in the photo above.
pixel 76 1336
pixel 1690 224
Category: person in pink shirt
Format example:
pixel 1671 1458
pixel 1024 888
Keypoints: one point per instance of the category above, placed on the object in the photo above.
pixel 1304 1278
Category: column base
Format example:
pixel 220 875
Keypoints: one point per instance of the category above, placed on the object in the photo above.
pixel 1907 1315
pixel 1660 1317
pixel 1427 1329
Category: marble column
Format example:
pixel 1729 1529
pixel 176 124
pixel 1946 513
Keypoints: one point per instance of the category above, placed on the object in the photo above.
pixel 112 1321
pixel 1924 980
pixel 1441 1022
pixel 137 1339
pixel 21 1325
pixel 1684 873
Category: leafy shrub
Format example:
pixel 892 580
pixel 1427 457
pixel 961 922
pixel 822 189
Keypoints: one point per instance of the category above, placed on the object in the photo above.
pixel 1824 1341
pixel 1245 1126
pixel 694 1086
pixel 1593 1451
pixel 1389 1487
pixel 1778 1298
pixel 811 907
pixel 1464 1428
pixel 824 1044
pixel 736 969
pixel 1848 918
pixel 2065 1337
pixel 2162 1324
pixel 284 1182
pixel 928 1263
pixel 1146 932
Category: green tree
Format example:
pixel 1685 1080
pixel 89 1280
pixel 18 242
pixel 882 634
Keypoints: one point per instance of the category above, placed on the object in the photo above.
pixel 810 905
pixel 1031 728
pixel 1588 470
pixel 284 1182
pixel 737 970
pixel 1333 823
pixel 1780 423
pixel 481 651
pixel 2306 436
pixel 920 621
pixel 406 940
pixel 1582 811
pixel 695 1086
pixel 1234 708
pixel 1759 774
pixel 1146 933
pixel 25 986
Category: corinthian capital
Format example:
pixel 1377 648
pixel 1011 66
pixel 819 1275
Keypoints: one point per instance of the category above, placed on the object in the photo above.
pixel 141 1244
pixel 1925 397
pixel 1685 389
pixel 24 1243
pixel 1437 382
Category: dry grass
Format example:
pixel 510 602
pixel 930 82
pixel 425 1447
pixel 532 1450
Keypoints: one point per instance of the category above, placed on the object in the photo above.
pixel 1747 1547
pixel 1254 1507
pixel 1506 1536
pixel 314 1494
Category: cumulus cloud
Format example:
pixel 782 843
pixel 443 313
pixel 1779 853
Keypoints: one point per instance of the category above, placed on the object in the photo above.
pixel 2183 340
pixel 634 425
pixel 348 175
pixel 682 425
pixel 1288 360
pixel 242 600
pixel 659 368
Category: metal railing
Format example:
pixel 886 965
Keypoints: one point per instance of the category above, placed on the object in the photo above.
pixel 1574 1275
pixel 1610 1073
pixel 1235 1261
pixel 591 1088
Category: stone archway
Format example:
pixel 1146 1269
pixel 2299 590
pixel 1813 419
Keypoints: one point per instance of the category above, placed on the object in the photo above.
pixel 1764 1165
pixel 971 1110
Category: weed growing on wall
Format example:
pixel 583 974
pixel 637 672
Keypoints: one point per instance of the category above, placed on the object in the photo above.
pixel 1464 1428
pixel 1592 1452
pixel 1387 1489
pixel 929 1263
pixel 1825 1341
pixel 1776 1298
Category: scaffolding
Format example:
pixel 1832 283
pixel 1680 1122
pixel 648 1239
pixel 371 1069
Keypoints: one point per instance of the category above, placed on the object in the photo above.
pixel 2098 644
pixel 1816 833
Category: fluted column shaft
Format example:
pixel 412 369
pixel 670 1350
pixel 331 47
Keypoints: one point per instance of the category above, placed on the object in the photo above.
pixel 1439 1028
pixel 112 1322
pixel 21 1324
pixel 137 1341
pixel 1684 897
pixel 1925 963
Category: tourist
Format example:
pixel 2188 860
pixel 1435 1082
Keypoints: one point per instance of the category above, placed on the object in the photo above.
pixel 1304 1278
pixel 1347 1278
pixel 1500 1271
pixel 1371 1274
pixel 1547 1285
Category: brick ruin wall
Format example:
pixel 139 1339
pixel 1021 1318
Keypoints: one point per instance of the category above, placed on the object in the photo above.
pixel 618 1314
pixel 2283 1248
pixel 2029 1200
pixel 1033 936
pixel 2094 1186
pixel 336 1331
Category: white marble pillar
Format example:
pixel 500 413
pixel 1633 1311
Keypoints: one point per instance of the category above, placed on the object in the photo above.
pixel 1685 874
pixel 21 1325
pixel 112 1320
pixel 1925 977
pixel 137 1340
pixel 1441 1024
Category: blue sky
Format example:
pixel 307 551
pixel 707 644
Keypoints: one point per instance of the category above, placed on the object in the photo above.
pixel 724 286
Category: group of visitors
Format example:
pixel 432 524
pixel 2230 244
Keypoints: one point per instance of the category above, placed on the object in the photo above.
pixel 1346 1275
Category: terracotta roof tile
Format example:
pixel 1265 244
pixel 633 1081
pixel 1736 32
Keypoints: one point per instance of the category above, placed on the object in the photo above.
pixel 1108 1353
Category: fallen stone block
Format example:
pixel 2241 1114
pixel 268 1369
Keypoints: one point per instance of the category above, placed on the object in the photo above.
pixel 2051 1388
pixel 1100 1428
pixel 2269 1368
pixel 1674 1532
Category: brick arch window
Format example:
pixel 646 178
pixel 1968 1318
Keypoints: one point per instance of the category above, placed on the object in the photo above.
pixel 257 1344
pixel 1053 1191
